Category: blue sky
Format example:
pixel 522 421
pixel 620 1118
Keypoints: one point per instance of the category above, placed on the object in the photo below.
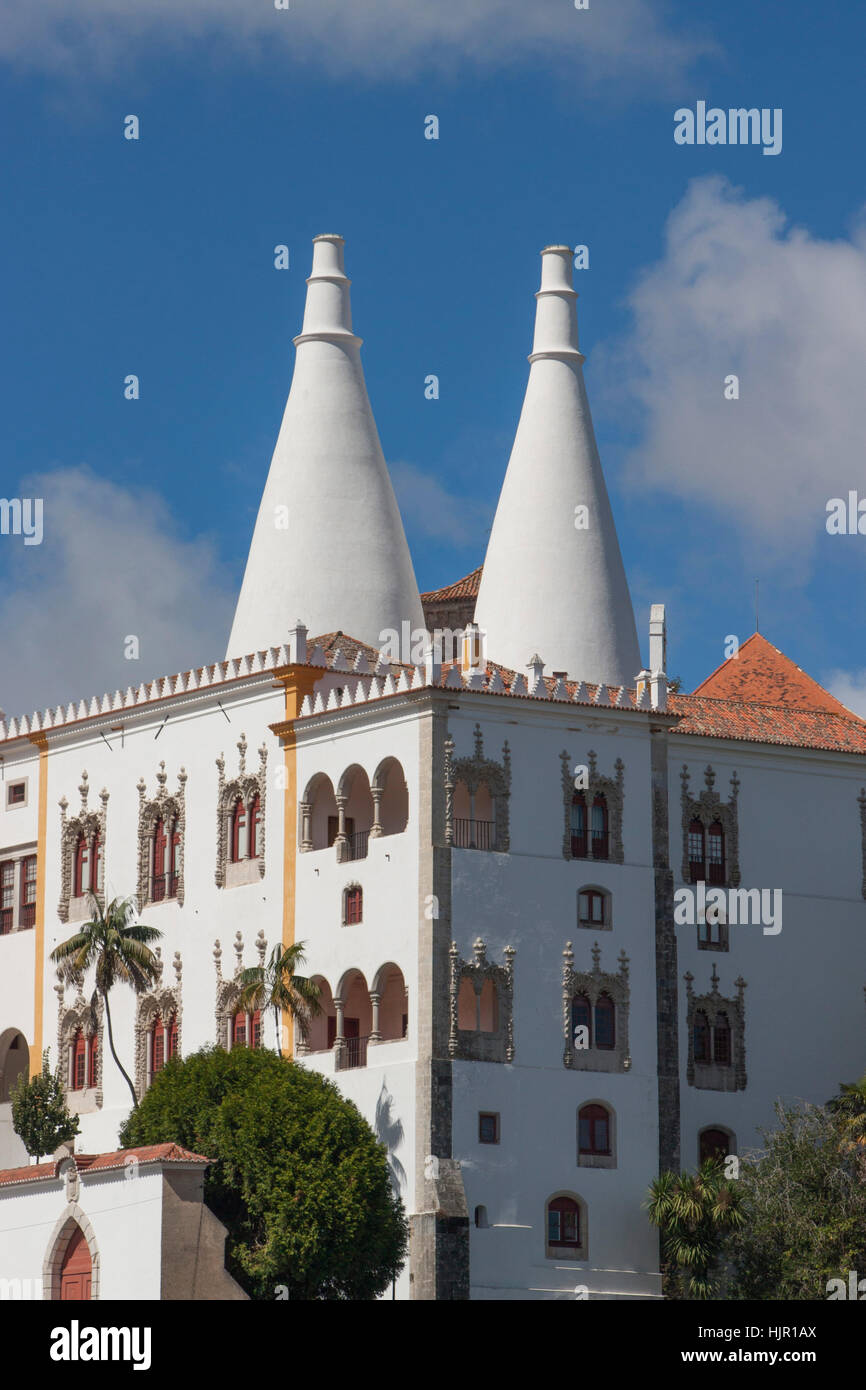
pixel 261 127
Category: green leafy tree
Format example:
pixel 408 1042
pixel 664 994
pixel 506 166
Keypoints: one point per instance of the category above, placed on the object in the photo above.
pixel 39 1114
pixel 277 986
pixel 118 947
pixel 804 1199
pixel 298 1177
pixel 848 1108
pixel 693 1211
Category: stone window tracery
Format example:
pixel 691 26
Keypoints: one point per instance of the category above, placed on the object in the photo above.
pixel 716 1035
pixel 596 1004
pixel 477 793
pixel 592 814
pixel 158 1024
pixel 79 1046
pixel 241 810
pixel 228 992
pixel 710 833
pixel 482 1006
pixel 161 840
pixel 82 855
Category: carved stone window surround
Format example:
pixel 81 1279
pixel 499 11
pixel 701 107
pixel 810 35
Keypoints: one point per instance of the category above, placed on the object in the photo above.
pixel 471 1044
pixel 712 1075
pixel 593 984
pixel 612 788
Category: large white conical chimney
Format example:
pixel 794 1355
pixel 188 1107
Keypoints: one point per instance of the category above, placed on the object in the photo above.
pixel 553 580
pixel 328 543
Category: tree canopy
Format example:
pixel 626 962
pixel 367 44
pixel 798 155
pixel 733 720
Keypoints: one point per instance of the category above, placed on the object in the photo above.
pixel 299 1178
pixel 39 1114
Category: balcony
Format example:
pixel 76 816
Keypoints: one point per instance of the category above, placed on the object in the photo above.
pixel 352 1054
pixel 356 845
pixel 5 921
pixel 27 916
pixel 163 886
pixel 473 834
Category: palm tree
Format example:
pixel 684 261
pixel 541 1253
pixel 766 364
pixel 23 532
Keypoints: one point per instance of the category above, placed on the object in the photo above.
pixel 119 949
pixel 276 986
pixel 849 1110
pixel 693 1211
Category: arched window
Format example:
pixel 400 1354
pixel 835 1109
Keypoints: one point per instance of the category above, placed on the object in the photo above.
pixel 353 905
pixel 79 1060
pixel 605 1022
pixel 581 1017
pixel 701 1037
pixel 255 817
pixel 722 1041
pixel 697 852
pixel 592 908
pixel 96 863
pixel 713 1143
pixel 171 1037
pixel 239 824
pixel 256 1029
pixel 716 853
pixel 593 1130
pixel 578 826
pixel 93 1062
pixel 563 1222
pixel 600 837
pixel 239 1030
pixel 79 877
pixel 157 1046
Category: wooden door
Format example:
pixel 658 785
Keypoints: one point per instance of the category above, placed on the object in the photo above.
pixel 76 1270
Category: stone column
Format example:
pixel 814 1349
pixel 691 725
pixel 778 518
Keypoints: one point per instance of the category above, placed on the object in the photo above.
pixel 375 1001
pixel 376 827
pixel 342 840
pixel 306 826
pixel 339 1040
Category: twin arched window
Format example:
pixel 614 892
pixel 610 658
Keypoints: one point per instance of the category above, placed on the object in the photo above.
pixel 246 1029
pixel 706 852
pixel 166 854
pixel 712 1044
pixel 599 1022
pixel 83 1061
pixel 246 828
pixel 162 1042
pixel 86 865
pixel 590 827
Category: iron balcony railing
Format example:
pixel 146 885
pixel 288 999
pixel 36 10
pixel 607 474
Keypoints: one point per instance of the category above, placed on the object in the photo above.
pixel 353 1053
pixel 472 834
pixel 356 845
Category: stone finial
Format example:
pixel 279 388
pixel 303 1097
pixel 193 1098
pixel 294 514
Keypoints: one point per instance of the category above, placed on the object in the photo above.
pixel 479 950
pixel 217 956
pixel 162 776
pixel 261 945
pixel 178 966
pixel 714 979
pixel 479 741
pixel 83 789
pixel 709 777
pixel 596 958
pixel 242 750
pixel 623 964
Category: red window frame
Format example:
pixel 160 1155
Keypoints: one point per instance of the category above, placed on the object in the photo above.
pixel 95 862
pixel 82 857
pixel 697 851
pixel 27 914
pixel 255 818
pixel 157 1046
pixel 594 900
pixel 239 1029
pixel 701 1037
pixel 578 825
pixel 7 896
pixel 716 853
pixel 79 1058
pixel 239 820
pixel 93 1062
pixel 159 848
pixel 722 1041
pixel 605 1023
pixel 171 1044
pixel 563 1222
pixel 17 794
pixel 599 827
pixel 581 1016
pixel 593 1130
pixel 354 906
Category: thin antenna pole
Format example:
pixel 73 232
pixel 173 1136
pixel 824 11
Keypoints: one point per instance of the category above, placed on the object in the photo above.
pixel 757 629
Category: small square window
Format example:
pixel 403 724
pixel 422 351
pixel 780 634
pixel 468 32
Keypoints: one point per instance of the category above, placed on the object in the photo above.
pixel 488 1128
pixel 16 794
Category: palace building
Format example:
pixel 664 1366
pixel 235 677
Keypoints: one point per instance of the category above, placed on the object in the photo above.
pixel 481 854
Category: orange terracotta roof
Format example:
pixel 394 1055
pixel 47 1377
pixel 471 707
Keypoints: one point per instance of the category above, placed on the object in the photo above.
pixel 786 724
pixel 467 587
pixel 91 1163
pixel 762 673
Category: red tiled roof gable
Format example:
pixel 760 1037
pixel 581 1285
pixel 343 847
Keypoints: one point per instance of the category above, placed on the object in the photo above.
pixel 762 673
pixel 91 1163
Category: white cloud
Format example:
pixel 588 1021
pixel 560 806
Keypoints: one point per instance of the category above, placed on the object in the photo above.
pixel 112 564
pixel 738 291
pixel 849 687
pixel 378 38
pixel 429 509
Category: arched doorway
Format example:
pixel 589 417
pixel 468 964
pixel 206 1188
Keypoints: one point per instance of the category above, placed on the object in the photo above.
pixel 76 1270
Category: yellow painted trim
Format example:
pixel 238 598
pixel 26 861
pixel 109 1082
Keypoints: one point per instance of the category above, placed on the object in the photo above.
pixel 298 682
pixel 41 869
